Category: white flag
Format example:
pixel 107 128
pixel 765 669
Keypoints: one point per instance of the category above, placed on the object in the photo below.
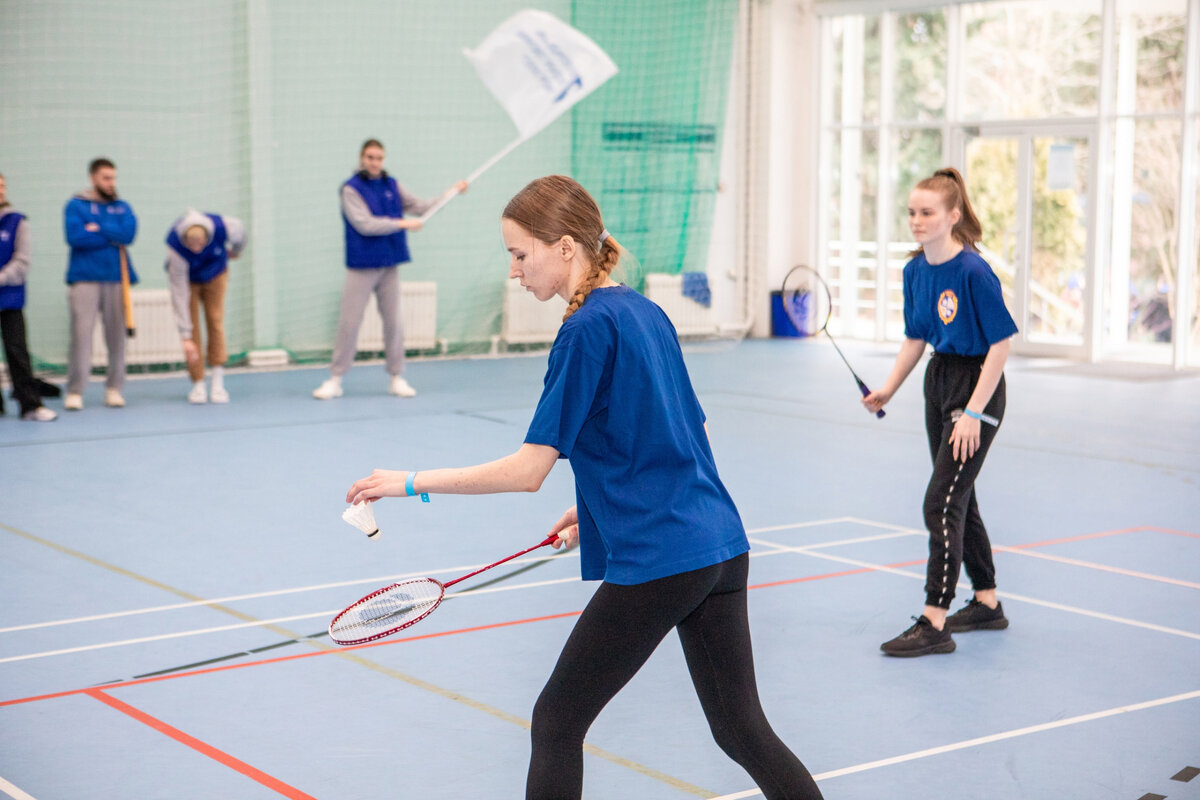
pixel 537 67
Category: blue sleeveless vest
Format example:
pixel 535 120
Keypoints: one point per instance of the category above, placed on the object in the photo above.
pixel 209 262
pixel 382 197
pixel 10 296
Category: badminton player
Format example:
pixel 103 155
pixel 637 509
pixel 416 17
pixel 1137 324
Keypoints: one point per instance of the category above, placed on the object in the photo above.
pixel 952 301
pixel 652 519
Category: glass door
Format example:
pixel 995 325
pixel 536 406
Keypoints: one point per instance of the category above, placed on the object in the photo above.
pixel 1031 189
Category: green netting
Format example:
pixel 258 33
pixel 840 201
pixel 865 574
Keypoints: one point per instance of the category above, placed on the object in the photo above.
pixel 649 143
pixel 257 109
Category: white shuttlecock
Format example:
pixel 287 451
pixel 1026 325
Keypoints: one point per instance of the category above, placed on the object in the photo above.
pixel 362 517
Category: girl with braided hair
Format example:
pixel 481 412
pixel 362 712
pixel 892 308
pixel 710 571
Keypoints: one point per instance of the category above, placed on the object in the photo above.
pixel 652 519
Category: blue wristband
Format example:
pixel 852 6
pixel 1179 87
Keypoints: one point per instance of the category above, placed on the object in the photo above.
pixel 990 420
pixel 409 491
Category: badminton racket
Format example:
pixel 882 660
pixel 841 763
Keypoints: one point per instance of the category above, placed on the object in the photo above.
pixel 807 303
pixel 396 607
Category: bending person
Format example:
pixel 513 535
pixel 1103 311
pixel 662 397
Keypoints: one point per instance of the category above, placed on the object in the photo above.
pixel 199 247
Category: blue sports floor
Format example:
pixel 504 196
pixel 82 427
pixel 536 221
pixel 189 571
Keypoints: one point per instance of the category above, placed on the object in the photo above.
pixel 166 573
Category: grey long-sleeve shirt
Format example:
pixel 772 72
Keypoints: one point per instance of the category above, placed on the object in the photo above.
pixel 366 223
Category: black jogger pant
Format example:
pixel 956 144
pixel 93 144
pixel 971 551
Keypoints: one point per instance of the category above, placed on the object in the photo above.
pixel 615 635
pixel 957 536
pixel 16 353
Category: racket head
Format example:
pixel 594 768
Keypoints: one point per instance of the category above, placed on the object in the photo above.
pixel 806 300
pixel 386 611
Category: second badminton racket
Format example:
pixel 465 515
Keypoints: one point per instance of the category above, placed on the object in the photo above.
pixel 808 303
pixel 396 607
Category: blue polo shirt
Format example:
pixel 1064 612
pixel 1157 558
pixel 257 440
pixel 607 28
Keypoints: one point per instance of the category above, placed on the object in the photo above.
pixel 956 306
pixel 619 405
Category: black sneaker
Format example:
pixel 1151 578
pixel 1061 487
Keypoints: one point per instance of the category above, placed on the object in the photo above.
pixel 975 616
pixel 922 639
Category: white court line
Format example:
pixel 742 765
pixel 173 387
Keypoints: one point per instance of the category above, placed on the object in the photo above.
pixel 14 792
pixel 1006 595
pixel 257 623
pixel 982 740
pixel 257 595
pixel 1092 565
pixel 321 586
pixel 778 548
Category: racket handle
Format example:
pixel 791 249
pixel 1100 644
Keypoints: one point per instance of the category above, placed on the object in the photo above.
pixel 862 387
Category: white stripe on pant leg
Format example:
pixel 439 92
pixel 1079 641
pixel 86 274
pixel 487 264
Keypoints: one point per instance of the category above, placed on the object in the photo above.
pixel 946 535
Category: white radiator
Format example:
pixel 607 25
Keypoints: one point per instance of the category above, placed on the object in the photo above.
pixel 157 338
pixel 526 320
pixel 418 314
pixel 689 317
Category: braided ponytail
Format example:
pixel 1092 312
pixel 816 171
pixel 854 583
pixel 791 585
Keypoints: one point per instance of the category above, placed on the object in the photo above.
pixel 556 206
pixel 603 265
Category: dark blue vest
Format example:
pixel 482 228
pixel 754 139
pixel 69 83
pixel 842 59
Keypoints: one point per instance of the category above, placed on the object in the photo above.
pixel 10 296
pixel 382 197
pixel 209 262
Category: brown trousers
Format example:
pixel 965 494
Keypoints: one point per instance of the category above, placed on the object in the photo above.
pixel 212 296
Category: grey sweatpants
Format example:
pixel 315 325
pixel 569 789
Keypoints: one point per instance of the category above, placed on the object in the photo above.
pixel 86 300
pixel 384 282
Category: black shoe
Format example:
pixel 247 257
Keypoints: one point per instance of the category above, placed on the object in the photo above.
pixel 45 388
pixel 921 639
pixel 975 616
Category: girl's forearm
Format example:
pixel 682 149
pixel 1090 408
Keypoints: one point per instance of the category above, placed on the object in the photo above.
pixel 910 353
pixel 522 471
pixel 989 376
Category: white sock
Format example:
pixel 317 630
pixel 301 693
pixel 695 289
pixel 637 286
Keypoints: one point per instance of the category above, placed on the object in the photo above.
pixel 198 384
pixel 218 378
pixel 337 379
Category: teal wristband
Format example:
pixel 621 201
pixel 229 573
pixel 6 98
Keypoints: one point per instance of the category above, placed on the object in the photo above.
pixel 409 490
pixel 990 420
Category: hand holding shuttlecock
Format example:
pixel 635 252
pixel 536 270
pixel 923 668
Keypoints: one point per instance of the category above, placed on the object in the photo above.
pixel 362 517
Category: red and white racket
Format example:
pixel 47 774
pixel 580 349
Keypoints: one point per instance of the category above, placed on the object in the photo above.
pixel 396 607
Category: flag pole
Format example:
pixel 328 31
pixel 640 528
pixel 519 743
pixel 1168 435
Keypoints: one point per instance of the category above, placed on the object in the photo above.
pixel 491 162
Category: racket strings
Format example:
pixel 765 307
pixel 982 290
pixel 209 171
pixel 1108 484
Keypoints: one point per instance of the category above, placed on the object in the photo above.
pixel 806 301
pixel 386 611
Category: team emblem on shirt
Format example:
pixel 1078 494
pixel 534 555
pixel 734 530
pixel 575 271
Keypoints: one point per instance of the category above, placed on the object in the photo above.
pixel 947 306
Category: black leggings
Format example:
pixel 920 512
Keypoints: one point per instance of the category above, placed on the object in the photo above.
pixel 615 635
pixel 957 536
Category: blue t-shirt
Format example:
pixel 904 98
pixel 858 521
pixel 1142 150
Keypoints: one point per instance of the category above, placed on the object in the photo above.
pixel 956 306
pixel 619 405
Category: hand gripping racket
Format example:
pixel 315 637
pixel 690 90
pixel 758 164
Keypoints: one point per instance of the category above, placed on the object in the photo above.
pixel 396 607
pixel 807 303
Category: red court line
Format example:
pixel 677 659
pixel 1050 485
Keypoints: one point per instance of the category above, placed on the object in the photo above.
pixel 1173 532
pixel 392 641
pixel 281 659
pixel 858 571
pixel 1081 537
pixel 1084 536
pixel 219 756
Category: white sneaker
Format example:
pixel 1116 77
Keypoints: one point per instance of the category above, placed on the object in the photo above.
pixel 39 414
pixel 198 394
pixel 113 399
pixel 73 402
pixel 219 395
pixel 328 390
pixel 400 387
